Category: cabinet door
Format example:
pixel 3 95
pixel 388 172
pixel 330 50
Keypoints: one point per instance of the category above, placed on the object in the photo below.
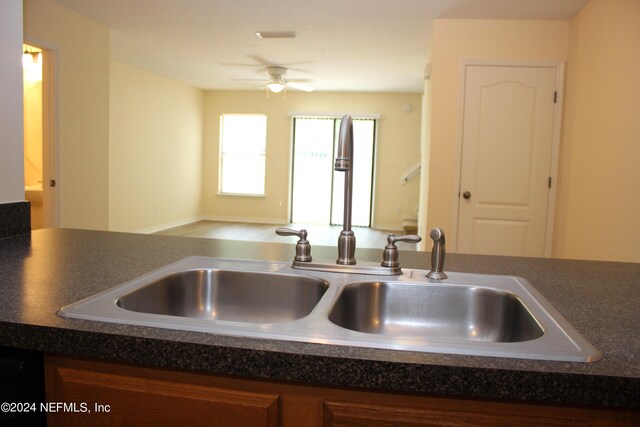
pixel 106 398
pixel 465 414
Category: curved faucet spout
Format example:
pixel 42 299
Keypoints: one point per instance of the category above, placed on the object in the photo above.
pixel 344 157
pixel 344 163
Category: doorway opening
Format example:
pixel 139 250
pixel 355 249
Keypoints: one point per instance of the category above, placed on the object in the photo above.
pixel 38 159
pixel 317 190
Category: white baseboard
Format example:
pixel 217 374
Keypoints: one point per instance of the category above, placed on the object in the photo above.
pixel 166 226
pixel 243 219
pixel 393 227
pixel 178 223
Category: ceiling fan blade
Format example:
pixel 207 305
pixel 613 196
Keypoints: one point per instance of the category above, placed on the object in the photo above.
pixel 268 64
pixel 250 80
pixel 235 64
pixel 299 80
pixel 299 86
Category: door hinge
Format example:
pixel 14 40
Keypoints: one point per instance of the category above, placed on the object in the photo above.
pixel 555 97
pixel 549 182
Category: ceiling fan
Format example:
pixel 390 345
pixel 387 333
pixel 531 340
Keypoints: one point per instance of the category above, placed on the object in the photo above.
pixel 276 82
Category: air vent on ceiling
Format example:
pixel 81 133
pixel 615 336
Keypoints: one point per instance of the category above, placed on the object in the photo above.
pixel 276 34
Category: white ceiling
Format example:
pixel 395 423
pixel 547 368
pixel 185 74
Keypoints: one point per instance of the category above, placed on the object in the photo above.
pixel 341 45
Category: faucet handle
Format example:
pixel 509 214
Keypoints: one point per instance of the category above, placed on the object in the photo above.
pixel 303 247
pixel 390 253
pixel 437 255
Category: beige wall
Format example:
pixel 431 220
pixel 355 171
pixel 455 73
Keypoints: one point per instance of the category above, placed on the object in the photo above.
pixel 11 148
pixel 80 49
pixel 398 145
pixel 155 150
pixel 453 41
pixel 598 212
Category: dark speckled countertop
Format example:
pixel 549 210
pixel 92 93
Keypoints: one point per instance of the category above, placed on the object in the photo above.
pixel 52 268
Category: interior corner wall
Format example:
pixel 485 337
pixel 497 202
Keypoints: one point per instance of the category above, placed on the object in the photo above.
pixel 425 151
pixel 80 50
pixel 454 41
pixel 598 207
pixel 11 130
pixel 155 150
pixel 398 149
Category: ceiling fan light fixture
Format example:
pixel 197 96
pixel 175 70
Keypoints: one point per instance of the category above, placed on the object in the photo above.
pixel 276 87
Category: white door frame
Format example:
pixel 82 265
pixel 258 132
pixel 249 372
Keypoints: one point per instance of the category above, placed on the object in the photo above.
pixel 555 148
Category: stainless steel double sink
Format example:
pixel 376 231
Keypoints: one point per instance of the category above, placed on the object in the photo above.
pixel 468 314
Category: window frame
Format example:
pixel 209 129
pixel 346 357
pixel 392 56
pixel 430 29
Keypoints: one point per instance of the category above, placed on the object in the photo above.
pixel 221 156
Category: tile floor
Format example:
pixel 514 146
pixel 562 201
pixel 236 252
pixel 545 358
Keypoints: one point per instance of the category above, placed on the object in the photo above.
pixel 325 235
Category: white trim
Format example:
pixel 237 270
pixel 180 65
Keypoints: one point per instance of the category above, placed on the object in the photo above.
pixel 555 160
pixel 168 225
pixel 333 115
pixel 241 194
pixel 453 240
pixel 178 223
pixel 374 171
pixel 508 63
pixel 555 149
pixel 223 218
pixel 387 227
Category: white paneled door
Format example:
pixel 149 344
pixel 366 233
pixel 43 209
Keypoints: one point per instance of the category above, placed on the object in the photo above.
pixel 506 169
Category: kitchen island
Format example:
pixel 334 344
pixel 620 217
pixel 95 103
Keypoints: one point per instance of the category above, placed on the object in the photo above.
pixel 52 268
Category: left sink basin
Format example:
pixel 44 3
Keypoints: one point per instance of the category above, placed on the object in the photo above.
pixel 220 294
pixel 199 293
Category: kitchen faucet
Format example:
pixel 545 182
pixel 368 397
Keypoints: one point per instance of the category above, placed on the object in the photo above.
pixel 346 262
pixel 344 163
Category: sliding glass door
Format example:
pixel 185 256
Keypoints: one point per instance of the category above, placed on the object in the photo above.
pixel 312 166
pixel 318 190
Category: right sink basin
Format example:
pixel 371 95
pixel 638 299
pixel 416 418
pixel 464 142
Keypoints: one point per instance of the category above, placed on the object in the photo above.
pixel 473 314
pixel 434 311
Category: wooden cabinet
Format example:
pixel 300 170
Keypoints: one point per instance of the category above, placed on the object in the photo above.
pixel 99 393
pixel 104 394
pixel 464 413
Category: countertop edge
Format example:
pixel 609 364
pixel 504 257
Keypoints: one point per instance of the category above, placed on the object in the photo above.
pixel 319 370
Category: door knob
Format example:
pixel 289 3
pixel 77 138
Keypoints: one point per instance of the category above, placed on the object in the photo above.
pixel 466 195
